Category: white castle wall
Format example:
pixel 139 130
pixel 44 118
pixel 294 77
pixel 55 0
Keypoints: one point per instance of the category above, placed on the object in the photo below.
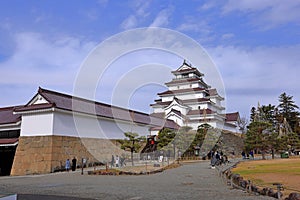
pixel 65 124
pixel 38 124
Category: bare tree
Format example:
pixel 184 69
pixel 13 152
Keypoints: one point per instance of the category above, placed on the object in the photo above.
pixel 243 122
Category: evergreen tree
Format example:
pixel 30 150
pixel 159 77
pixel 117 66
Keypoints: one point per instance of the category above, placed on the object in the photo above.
pixel 165 137
pixel 260 136
pixel 288 109
pixel 268 113
pixel 289 142
pixel 252 114
pixel 165 141
pixel 132 142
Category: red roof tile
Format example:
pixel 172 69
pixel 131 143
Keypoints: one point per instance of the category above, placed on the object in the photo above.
pixel 188 80
pixel 200 112
pixel 7 116
pixel 8 141
pixel 198 100
pixel 159 115
pixel 230 117
pixel 176 112
pixel 189 90
pixel 76 104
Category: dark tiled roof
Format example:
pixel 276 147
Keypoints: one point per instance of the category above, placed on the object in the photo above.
pixel 8 141
pixel 198 100
pixel 80 105
pixel 202 120
pixel 231 117
pixel 7 116
pixel 188 80
pixel 159 115
pixel 176 112
pixel 41 106
pixel 200 112
pixel 188 68
pixel 212 92
pixel 189 90
pixel 166 103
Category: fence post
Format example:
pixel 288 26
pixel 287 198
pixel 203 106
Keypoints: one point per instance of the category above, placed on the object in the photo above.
pixel 279 188
pixel 249 186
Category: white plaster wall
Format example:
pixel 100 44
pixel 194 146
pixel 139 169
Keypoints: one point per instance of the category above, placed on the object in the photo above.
pixel 175 119
pixel 193 117
pixel 196 124
pixel 196 106
pixel 199 95
pixel 158 110
pixel 39 124
pixel 173 88
pixel 186 86
pixel 154 132
pixel 176 107
pixel 39 100
pixel 165 99
pixel 90 127
pixel 195 85
pixel 232 129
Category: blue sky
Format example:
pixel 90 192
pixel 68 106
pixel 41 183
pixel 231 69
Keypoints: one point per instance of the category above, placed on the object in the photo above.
pixel 254 44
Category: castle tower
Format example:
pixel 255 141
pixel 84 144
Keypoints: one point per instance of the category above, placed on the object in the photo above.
pixel 190 101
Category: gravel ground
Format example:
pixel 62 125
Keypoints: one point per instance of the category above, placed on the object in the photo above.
pixel 190 181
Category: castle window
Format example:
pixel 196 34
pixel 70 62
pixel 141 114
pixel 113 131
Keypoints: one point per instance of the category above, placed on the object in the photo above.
pixel 185 75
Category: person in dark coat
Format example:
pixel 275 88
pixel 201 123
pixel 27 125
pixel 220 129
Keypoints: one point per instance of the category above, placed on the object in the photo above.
pixel 74 160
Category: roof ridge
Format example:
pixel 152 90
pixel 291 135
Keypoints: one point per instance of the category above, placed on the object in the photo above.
pixel 89 100
pixel 10 107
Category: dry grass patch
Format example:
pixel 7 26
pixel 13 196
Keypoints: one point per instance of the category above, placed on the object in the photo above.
pixel 264 173
pixel 133 170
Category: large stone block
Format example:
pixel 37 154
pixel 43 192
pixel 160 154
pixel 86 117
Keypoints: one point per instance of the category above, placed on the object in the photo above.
pixel 44 154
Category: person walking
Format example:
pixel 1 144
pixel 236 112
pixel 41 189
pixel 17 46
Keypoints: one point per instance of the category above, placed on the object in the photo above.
pixel 112 161
pixel 74 160
pixel 117 161
pixel 68 165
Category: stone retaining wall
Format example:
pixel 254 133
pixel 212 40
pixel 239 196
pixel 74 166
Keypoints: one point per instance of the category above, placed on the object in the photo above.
pixel 46 154
pixel 237 181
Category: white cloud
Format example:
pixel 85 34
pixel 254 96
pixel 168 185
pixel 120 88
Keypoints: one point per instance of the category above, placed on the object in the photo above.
pixel 207 6
pixel 130 22
pixel 257 74
pixel 162 19
pixel 142 8
pixel 268 13
pixel 227 36
pixel 200 27
pixel 140 11
pixel 38 60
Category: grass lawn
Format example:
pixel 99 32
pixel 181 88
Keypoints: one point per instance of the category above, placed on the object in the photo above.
pixel 266 172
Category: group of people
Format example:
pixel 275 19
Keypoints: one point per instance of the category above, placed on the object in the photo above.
pixel 68 165
pixel 248 155
pixel 117 161
pixel 217 158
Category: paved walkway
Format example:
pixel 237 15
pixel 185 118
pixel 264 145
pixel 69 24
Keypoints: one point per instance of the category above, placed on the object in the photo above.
pixel 191 181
